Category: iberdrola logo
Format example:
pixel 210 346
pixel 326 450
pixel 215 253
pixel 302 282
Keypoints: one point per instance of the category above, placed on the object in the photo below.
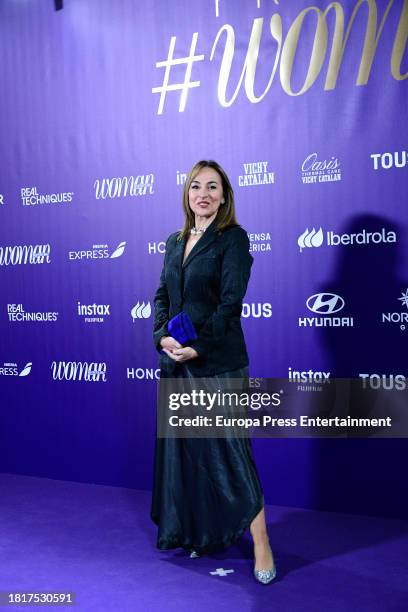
pixel 119 250
pixel 310 239
pixel 141 311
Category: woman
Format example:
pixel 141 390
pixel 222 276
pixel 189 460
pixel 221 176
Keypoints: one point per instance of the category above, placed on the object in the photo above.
pixel 206 491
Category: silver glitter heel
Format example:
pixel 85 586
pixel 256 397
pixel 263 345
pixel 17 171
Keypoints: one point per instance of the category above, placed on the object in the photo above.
pixel 194 554
pixel 265 576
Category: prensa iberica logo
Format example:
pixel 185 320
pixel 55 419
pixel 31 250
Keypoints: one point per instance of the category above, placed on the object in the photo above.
pixel 98 251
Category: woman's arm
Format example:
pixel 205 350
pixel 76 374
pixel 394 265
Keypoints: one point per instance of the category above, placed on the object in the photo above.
pixel 161 307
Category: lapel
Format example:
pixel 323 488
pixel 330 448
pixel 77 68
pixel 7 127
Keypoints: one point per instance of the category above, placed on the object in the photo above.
pixel 207 238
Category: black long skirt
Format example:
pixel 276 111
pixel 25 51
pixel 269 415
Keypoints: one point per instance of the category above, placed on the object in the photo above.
pixel 206 491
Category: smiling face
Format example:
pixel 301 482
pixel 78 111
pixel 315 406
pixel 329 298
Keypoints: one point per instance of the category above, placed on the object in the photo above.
pixel 205 195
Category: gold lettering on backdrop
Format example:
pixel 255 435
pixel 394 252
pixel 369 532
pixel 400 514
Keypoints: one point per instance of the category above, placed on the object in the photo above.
pixel 400 44
pixel 370 41
pixel 290 46
pixel 249 68
pixel 285 53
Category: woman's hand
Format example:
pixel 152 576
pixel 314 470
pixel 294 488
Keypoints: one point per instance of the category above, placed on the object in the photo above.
pixel 181 354
pixel 168 343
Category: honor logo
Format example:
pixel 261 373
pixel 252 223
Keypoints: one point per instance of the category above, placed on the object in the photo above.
pixel 143 373
pixel 77 370
pixel 156 248
pixel 141 311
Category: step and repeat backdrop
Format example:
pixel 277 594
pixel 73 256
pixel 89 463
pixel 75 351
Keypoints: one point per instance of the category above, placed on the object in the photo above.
pixel 105 107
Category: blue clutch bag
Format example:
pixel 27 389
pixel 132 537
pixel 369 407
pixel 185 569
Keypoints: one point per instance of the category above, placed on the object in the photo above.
pixel 181 328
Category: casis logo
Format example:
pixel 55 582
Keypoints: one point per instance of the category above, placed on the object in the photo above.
pixel 325 303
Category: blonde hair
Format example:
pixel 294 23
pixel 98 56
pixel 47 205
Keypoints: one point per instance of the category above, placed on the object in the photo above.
pixel 226 212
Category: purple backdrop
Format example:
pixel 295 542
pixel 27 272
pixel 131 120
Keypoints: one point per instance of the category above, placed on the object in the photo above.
pixel 99 126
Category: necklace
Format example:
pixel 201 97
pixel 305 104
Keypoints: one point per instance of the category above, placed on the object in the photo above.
pixel 196 230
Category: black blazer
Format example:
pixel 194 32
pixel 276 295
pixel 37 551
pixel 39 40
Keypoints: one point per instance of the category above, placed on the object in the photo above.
pixel 209 287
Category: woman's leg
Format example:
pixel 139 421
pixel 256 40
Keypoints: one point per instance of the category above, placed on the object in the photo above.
pixel 262 550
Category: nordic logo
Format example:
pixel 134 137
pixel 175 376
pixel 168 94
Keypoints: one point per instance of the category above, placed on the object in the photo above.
pixel 98 251
pixel 316 238
pixel 17 314
pixel 123 186
pixel 256 173
pixel 400 318
pixel 25 254
pixel 325 304
pixel 31 197
pixel 323 171
pixel 11 369
pixel 141 311
pixel 79 370
pixel 93 313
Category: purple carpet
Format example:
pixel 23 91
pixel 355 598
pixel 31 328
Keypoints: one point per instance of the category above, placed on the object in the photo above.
pixel 99 542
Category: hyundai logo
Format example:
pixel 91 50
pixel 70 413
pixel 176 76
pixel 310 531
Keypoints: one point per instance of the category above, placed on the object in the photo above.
pixel 325 303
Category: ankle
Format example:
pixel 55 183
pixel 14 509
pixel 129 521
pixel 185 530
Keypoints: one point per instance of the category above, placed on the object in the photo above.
pixel 261 539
